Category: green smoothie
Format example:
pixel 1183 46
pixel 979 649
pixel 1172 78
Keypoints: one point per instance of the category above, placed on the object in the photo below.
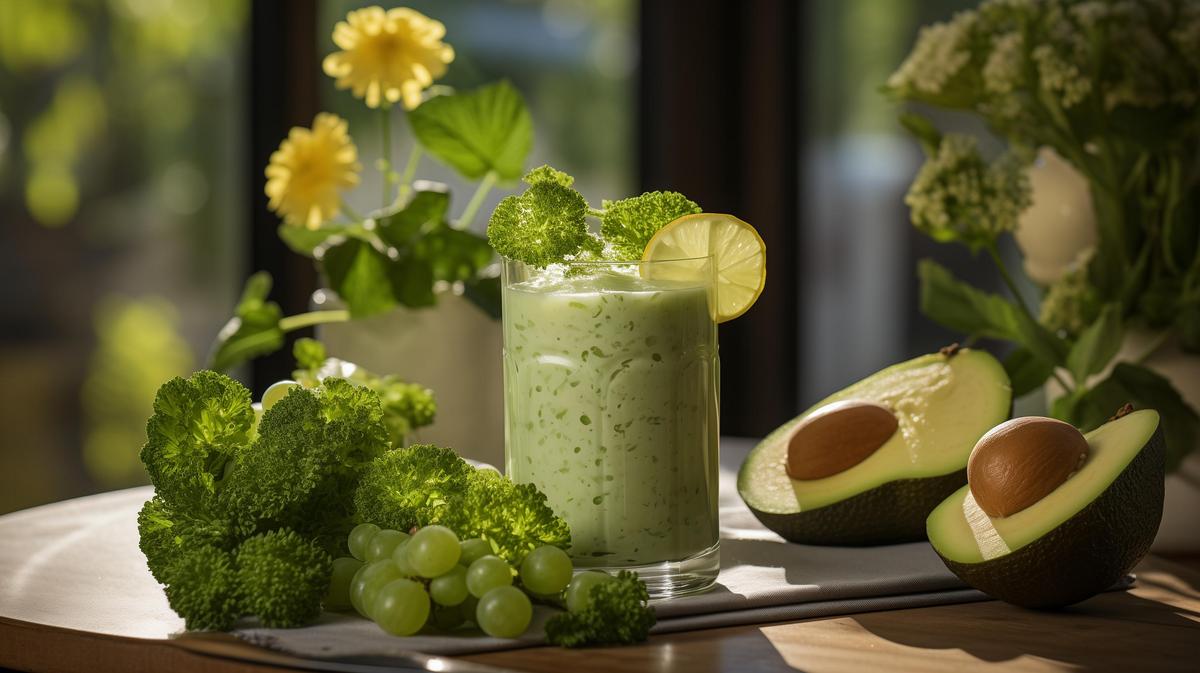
pixel 611 409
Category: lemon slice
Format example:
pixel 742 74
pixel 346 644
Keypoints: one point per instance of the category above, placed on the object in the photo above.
pixel 738 253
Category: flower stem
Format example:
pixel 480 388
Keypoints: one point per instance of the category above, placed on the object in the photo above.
pixel 302 320
pixel 351 212
pixel 476 201
pixel 410 169
pixel 385 163
pixel 994 252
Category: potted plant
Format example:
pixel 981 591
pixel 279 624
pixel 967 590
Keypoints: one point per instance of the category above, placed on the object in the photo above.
pixel 1112 92
pixel 410 289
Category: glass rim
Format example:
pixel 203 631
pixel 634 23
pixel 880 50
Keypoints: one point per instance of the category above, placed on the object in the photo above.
pixel 614 262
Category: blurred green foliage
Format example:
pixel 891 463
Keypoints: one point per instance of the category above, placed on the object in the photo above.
pixel 137 348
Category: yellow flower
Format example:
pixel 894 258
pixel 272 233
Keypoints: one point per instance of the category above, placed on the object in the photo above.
pixel 309 170
pixel 388 56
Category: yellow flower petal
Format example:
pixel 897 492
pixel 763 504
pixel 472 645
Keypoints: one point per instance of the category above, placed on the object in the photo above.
pixel 388 56
pixel 306 175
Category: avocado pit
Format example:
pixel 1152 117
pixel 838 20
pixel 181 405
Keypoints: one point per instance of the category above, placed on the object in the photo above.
pixel 837 437
pixel 1021 461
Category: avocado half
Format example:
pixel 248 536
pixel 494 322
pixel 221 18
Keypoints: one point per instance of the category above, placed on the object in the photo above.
pixel 944 402
pixel 1075 542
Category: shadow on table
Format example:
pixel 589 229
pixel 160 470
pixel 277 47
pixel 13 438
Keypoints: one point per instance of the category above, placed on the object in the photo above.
pixel 1112 631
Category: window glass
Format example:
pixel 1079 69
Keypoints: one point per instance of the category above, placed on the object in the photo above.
pixel 122 198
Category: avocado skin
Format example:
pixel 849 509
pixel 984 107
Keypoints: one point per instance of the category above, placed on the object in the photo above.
pixel 888 514
pixel 1087 553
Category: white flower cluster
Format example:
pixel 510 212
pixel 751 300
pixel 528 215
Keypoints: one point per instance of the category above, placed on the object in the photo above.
pixel 1071 303
pixel 1060 78
pixel 941 51
pixel 958 196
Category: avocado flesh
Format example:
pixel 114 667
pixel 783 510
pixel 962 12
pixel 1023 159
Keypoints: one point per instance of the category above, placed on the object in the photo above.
pixel 1078 540
pixel 943 403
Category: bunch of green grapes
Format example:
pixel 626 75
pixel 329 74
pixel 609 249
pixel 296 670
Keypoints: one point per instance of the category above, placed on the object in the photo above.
pixel 405 582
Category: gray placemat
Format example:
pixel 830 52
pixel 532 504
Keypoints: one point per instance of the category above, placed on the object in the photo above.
pixel 762 579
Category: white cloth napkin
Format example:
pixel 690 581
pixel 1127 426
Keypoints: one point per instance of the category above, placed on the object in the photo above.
pixel 762 579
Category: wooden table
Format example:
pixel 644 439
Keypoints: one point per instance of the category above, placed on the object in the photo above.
pixel 1153 627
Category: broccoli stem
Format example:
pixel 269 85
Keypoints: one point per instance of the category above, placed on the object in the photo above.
pixel 481 192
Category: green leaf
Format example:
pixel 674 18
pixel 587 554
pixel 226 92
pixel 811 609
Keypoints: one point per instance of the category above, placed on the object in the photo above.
pixel 360 275
pixel 1025 371
pixel 412 282
pixel 1089 409
pixel 426 211
pixel 485 294
pixel 963 308
pixel 1097 344
pixel 304 241
pixel 488 129
pixel 1040 341
pixel 253 330
pixel 454 254
pixel 1150 390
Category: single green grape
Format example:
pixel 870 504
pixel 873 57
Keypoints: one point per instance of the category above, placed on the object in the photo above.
pixel 451 588
pixel 401 607
pixel 400 557
pixel 277 391
pixel 359 538
pixel 546 570
pixel 579 591
pixel 504 612
pixel 384 543
pixel 473 550
pixel 488 573
pixel 433 551
pixel 337 597
pixel 367 582
pixel 448 618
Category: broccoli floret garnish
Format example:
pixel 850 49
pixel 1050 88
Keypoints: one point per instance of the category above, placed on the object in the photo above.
pixel 629 224
pixel 406 406
pixel 545 224
pixel 547 173
pixel 202 588
pixel 282 577
pixel 513 518
pixel 619 614
pixel 411 487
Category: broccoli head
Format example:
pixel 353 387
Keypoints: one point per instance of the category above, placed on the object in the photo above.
pixel 199 426
pixel 411 487
pixel 629 224
pixel 282 577
pixel 202 588
pixel 514 518
pixel 166 532
pixel 619 614
pixel 312 445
